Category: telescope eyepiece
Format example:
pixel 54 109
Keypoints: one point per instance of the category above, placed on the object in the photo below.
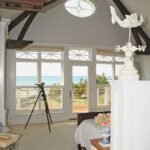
pixel 40 85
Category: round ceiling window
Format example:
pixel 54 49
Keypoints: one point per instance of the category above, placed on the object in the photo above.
pixel 80 8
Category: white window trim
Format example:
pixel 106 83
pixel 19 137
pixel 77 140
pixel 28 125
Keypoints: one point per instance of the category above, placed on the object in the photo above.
pixel 39 60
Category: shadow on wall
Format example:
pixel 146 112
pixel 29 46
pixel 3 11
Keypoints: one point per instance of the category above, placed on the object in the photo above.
pixel 1 127
pixel 142 63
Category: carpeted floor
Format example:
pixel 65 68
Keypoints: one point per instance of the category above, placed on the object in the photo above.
pixel 37 136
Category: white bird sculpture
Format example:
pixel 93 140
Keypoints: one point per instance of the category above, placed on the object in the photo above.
pixel 128 72
pixel 131 21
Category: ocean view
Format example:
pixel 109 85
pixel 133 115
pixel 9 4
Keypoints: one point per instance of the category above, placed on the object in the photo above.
pixel 48 80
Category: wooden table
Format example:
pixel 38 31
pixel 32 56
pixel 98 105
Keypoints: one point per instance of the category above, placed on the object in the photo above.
pixel 96 146
pixel 9 141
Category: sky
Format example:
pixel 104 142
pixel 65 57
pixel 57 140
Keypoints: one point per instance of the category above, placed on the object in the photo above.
pixel 54 69
pixel 30 69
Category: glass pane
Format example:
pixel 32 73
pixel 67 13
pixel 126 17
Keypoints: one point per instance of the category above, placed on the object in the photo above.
pixel 26 55
pixel 54 97
pixel 104 58
pixel 82 55
pixel 51 73
pixel 105 70
pixel 80 8
pixel 26 73
pixel 120 59
pixel 80 89
pixel 26 98
pixel 103 75
pixel 51 55
pixel 117 71
pixel 103 94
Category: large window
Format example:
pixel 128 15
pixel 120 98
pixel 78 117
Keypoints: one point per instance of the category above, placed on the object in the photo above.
pixel 107 68
pixel 37 67
pixel 48 67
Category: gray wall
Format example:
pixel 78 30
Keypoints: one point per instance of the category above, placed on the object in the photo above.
pixel 143 65
pixel 59 27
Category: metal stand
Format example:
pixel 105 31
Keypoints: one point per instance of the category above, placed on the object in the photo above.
pixel 42 94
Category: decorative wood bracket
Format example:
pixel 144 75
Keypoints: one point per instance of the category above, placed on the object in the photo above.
pixel 15 44
pixel 27 25
pixel 20 43
pixel 20 18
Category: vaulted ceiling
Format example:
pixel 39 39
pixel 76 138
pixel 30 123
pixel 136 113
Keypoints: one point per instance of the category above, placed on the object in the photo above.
pixel 12 9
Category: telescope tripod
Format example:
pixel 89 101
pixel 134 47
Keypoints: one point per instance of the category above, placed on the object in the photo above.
pixel 41 94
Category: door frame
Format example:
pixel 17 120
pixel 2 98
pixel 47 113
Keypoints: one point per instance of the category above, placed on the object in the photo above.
pixel 88 64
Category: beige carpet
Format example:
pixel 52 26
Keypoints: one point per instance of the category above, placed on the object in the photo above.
pixel 37 136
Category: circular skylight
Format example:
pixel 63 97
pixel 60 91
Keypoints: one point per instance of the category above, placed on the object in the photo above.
pixel 80 8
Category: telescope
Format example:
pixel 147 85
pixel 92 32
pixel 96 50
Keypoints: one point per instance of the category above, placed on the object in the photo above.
pixel 43 95
pixel 40 85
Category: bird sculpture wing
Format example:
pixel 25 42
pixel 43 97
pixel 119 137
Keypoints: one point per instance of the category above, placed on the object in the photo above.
pixel 113 15
pixel 130 21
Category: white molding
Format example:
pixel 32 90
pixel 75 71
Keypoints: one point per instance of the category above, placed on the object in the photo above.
pixel 38 43
pixel 3 36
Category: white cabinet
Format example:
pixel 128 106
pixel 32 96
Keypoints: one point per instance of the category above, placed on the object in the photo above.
pixel 130 111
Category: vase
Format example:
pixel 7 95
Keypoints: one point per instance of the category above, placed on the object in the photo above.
pixel 105 132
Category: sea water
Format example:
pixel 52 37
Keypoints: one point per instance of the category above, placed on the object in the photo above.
pixel 48 80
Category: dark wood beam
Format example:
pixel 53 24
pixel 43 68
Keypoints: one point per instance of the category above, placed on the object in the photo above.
pixel 136 31
pixel 51 4
pixel 15 44
pixel 29 2
pixel 26 25
pixel 20 18
pixel 28 5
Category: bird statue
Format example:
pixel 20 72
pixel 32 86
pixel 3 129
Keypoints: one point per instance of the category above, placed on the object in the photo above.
pixel 131 21
pixel 128 72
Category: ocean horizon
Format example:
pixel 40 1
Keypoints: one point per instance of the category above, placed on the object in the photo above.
pixel 48 80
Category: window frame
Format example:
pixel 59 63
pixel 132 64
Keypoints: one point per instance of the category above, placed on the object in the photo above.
pixel 77 48
pixel 39 61
pixel 113 63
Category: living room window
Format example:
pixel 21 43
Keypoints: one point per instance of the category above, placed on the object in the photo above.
pixel 36 67
pixel 48 67
pixel 108 66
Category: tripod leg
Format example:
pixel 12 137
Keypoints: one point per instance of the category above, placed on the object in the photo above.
pixel 48 121
pixel 50 116
pixel 32 110
pixel 47 110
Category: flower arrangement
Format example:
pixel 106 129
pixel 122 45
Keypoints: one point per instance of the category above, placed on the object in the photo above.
pixel 103 119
